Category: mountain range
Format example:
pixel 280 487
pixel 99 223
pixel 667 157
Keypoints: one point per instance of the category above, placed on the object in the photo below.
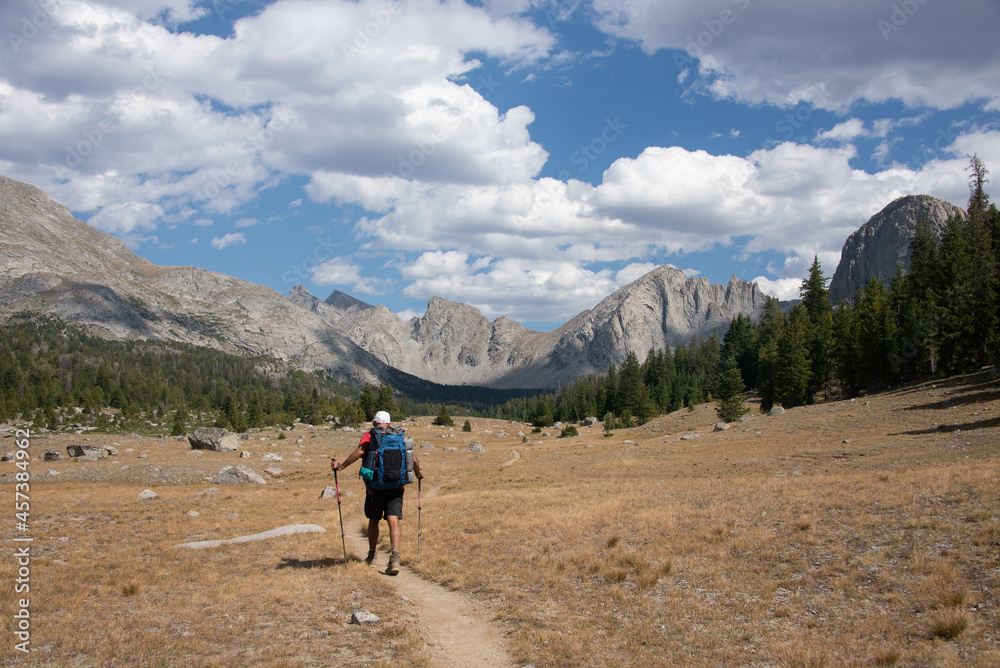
pixel 51 263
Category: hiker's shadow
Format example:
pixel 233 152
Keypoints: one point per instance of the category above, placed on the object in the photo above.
pixel 327 562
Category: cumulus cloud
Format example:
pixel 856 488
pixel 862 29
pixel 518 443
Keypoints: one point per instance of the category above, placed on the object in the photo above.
pixel 337 271
pixel 831 55
pixel 230 239
pixel 109 104
pixel 785 289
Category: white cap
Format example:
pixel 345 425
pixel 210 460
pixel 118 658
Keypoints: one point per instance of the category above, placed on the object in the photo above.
pixel 381 417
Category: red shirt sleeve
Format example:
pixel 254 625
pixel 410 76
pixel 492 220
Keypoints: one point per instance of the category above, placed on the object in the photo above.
pixel 365 440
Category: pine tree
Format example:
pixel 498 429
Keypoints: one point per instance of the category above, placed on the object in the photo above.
pixel 367 402
pixel 791 382
pixel 728 392
pixel 816 300
pixel 443 419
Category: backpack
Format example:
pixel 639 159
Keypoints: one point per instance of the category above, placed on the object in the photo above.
pixel 389 462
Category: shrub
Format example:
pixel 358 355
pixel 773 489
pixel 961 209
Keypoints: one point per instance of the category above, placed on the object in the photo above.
pixel 443 419
pixel 467 426
pixel 569 431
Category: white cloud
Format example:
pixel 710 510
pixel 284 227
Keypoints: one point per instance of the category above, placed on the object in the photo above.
pixel 230 239
pixel 246 222
pixel 338 271
pixel 844 132
pixel 785 51
pixel 785 289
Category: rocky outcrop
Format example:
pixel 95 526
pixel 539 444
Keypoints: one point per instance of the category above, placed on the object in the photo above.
pixel 883 243
pixel 215 439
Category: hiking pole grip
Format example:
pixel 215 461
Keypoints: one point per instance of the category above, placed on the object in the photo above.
pixel 336 486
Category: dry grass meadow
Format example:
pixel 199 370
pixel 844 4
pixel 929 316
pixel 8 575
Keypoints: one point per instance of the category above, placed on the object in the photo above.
pixel 850 533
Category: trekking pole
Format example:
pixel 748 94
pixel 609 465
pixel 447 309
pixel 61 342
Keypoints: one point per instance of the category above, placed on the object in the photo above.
pixel 336 486
pixel 419 480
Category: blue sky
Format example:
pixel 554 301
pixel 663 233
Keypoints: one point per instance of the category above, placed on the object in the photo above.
pixel 526 157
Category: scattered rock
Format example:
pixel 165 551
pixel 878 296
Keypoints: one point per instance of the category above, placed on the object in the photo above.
pixel 88 458
pixel 776 410
pixel 245 454
pixel 8 456
pixel 111 451
pixel 846 441
pixel 721 426
pixel 364 618
pixel 270 457
pixel 86 451
pixel 51 473
pixel 273 471
pixel 477 447
pixel 238 475
pixel 193 513
pixel 588 422
pixel 214 438
pixel 146 495
pixel 273 533
pixel 745 417
pixel 690 436
pixel 328 493
pixel 449 448
pixel 426 446
pixel 210 490
pixel 51 455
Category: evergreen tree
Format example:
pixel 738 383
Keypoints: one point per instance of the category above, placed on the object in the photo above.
pixel 728 392
pixel 816 300
pixel 443 419
pixel 467 427
pixel 770 329
pixel 876 337
pixel 791 381
pixel 385 400
pixel 367 402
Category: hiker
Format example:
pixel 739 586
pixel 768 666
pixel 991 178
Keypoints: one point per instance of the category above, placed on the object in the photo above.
pixel 379 503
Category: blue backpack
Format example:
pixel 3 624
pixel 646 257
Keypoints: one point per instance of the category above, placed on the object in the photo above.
pixel 389 462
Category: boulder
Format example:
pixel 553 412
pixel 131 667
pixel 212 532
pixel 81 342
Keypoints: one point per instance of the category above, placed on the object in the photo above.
pixel 51 455
pixel 214 438
pixel 110 451
pixel 776 410
pixel 328 493
pixel 690 436
pixel 8 456
pixel 270 457
pixel 273 471
pixel 86 451
pixel 477 447
pixel 238 475
pixel 364 618
pixel 588 422
pixel 146 495
pixel 245 454
pixel 721 426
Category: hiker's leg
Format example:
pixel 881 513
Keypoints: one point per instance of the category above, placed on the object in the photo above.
pixel 373 534
pixel 395 532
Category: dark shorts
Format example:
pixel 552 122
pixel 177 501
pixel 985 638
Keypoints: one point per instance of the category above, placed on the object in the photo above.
pixel 381 503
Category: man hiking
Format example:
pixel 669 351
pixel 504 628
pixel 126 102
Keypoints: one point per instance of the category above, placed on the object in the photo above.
pixel 379 503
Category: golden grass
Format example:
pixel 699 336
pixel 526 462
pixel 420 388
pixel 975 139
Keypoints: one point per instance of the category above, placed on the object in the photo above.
pixel 770 544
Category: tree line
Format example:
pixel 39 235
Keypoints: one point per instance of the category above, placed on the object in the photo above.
pixel 940 318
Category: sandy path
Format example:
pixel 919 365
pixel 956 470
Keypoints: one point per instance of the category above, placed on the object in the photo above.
pixel 455 628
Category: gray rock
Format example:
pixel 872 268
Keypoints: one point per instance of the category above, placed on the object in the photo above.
pixel 329 492
pixel 245 454
pixel 776 410
pixel 270 457
pixel 51 455
pixel 146 495
pixel 287 530
pixel 690 436
pixel 273 471
pixel 210 490
pixel 721 426
pixel 365 618
pixel 449 449
pixel 88 458
pixel 745 417
pixel 882 243
pixel 51 473
pixel 426 446
pixel 86 451
pixel 477 447
pixel 238 475
pixel 192 513
pixel 111 451
pixel 8 456
pixel 215 439
pixel 588 422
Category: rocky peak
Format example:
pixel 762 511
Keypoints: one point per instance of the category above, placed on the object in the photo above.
pixel 883 243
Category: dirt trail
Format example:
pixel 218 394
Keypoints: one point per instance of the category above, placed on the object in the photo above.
pixel 455 628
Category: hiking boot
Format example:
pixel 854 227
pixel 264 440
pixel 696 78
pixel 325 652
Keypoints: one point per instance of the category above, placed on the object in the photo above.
pixel 393 567
pixel 370 558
